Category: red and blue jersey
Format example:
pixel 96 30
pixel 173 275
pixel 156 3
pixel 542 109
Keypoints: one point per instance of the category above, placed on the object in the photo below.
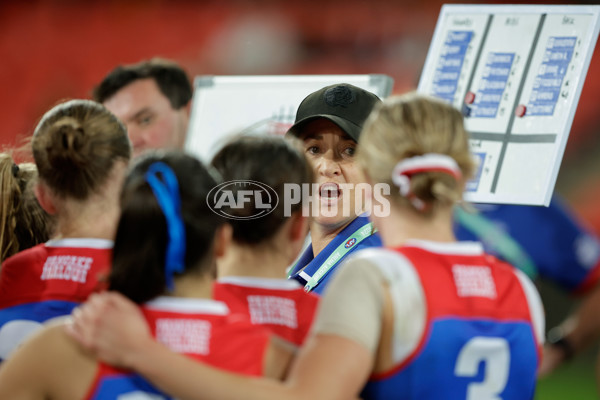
pixel 48 281
pixel 202 329
pixel 280 305
pixel 544 241
pixel 467 326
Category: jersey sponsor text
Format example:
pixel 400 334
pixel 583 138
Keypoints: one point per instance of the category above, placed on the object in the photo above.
pixel 184 335
pixel 68 268
pixel 272 310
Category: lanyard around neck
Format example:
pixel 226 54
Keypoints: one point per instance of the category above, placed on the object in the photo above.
pixel 347 245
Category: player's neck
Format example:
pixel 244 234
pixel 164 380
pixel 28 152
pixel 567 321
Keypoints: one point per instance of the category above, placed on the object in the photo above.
pixel 406 224
pixel 88 222
pixel 193 286
pixel 97 215
pixel 261 261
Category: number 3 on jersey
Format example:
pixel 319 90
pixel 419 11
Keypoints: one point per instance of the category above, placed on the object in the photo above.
pixel 495 352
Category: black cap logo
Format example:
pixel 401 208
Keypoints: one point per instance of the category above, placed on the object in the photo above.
pixel 339 96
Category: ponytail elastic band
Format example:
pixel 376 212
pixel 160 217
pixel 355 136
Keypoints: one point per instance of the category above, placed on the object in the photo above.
pixel 430 162
pixel 166 192
pixel 15 170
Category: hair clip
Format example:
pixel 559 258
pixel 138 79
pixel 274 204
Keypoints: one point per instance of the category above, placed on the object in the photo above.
pixel 430 162
pixel 15 170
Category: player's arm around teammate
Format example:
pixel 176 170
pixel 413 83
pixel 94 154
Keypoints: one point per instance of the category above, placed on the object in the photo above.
pixel 167 238
pixel 393 319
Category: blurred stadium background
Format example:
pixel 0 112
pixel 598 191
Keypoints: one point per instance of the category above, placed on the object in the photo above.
pixel 53 50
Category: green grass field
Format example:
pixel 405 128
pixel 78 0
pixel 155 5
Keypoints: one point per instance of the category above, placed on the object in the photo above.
pixel 574 381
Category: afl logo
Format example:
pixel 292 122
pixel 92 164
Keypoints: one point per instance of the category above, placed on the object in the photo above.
pixel 242 199
pixel 350 243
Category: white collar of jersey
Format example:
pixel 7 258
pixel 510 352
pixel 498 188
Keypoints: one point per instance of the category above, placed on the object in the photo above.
pixel 264 283
pixel 465 248
pixel 187 305
pixel 90 243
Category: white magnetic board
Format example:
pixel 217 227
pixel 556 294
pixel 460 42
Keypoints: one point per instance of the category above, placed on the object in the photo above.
pixel 516 72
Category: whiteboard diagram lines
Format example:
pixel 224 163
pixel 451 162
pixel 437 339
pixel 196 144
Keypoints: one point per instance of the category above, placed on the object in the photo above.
pixel 486 31
pixel 524 138
pixel 516 74
pixel 511 120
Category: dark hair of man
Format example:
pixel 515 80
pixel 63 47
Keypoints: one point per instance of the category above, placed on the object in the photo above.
pixel 171 79
pixel 270 160
pixel 141 239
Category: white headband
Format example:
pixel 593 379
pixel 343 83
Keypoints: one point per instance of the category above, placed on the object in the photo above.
pixel 430 162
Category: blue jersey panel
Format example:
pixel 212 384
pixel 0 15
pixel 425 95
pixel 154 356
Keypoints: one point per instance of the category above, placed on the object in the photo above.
pixel 39 312
pixel 127 387
pixel 18 322
pixel 466 359
pixel 560 248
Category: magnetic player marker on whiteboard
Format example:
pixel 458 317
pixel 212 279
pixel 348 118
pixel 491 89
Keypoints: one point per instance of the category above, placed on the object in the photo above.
pixel 469 97
pixel 521 110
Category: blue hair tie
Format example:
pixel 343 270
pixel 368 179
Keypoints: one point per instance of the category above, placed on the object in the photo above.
pixel 166 192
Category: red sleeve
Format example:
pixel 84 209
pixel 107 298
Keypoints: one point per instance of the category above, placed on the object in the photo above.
pixel 239 346
pixel 20 277
pixel 233 296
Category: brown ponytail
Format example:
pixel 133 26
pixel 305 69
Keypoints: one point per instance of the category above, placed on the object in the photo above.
pixel 75 146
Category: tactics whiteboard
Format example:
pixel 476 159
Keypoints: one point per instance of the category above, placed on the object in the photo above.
pixel 226 105
pixel 516 72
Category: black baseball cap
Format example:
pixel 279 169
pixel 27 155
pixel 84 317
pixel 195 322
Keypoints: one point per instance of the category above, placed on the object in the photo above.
pixel 345 105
